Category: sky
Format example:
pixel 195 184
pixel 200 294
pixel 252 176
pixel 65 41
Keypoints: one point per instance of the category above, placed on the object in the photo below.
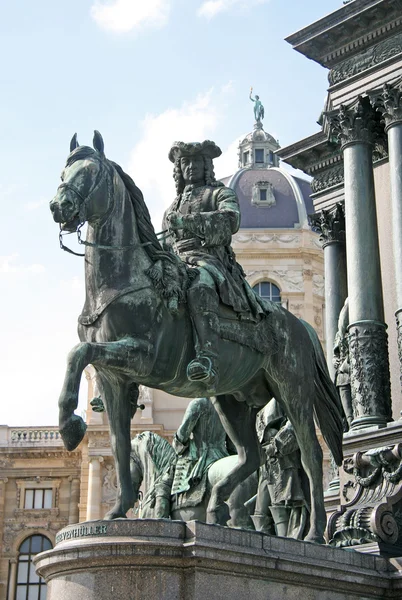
pixel 144 73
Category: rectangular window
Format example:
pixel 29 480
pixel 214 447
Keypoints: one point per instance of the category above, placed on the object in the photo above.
pixel 38 498
pixel 259 156
pixel 245 158
pixel 263 195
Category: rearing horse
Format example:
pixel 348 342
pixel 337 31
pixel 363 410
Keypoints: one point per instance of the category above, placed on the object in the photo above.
pixel 130 335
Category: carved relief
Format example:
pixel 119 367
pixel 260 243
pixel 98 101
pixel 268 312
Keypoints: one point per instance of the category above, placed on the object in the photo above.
pixel 373 496
pixel 318 284
pixel 244 238
pixel 109 488
pixel 327 179
pixel 399 333
pixel 365 60
pixel 370 384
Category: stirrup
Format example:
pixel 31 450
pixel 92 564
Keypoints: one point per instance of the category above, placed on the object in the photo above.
pixel 201 369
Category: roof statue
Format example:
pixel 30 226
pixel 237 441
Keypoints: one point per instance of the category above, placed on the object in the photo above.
pixel 258 107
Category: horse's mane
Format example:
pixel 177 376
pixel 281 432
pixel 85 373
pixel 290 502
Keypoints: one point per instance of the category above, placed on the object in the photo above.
pixel 146 230
pixel 160 451
pixel 168 273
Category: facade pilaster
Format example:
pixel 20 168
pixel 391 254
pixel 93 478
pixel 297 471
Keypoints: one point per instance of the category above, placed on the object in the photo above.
pixel 331 226
pixel 13 579
pixel 357 126
pixel 73 513
pixel 94 488
pixel 388 100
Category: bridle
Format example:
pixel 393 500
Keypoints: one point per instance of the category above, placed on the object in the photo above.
pixel 82 219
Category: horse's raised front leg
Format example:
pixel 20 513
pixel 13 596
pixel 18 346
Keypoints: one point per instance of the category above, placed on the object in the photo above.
pixel 116 393
pixel 238 420
pixel 125 354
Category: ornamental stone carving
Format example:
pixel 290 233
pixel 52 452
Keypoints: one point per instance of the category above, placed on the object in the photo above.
pixel 373 500
pixel 398 317
pixel 244 238
pixel 364 60
pixel 327 179
pixel 330 224
pixel 357 123
pixel 388 100
pixel 369 372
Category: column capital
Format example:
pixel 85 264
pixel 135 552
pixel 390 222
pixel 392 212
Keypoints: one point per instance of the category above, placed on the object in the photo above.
pixel 330 224
pixel 388 101
pixel 95 458
pixel 356 123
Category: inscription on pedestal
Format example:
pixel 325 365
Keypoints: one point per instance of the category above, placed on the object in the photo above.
pixel 79 532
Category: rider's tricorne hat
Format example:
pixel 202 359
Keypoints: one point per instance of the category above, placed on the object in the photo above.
pixel 206 148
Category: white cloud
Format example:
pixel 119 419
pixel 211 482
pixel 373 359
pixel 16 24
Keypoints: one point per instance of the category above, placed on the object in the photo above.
pixel 8 265
pixel 149 165
pixel 211 8
pixel 122 16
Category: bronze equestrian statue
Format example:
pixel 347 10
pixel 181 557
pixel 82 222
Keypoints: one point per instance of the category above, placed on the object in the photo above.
pixel 135 328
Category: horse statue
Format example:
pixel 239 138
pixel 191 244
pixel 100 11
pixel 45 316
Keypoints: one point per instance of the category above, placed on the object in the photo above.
pixel 131 336
pixel 153 462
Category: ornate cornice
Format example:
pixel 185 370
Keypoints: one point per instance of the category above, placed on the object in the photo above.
pixel 345 32
pixel 330 224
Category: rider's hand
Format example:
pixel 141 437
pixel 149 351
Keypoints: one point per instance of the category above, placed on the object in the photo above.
pixel 175 221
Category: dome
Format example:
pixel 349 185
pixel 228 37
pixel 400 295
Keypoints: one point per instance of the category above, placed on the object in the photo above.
pixel 259 135
pixel 271 198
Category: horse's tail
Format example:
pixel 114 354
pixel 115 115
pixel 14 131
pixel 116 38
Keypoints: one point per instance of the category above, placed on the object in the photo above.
pixel 327 404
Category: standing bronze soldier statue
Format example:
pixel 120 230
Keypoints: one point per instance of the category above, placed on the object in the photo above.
pixel 202 220
pixel 341 363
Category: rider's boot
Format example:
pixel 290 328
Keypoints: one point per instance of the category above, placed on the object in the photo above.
pixel 203 303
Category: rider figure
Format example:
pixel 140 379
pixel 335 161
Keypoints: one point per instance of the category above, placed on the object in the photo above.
pixel 202 220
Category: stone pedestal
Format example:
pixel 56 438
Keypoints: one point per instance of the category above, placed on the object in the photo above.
pixel 155 559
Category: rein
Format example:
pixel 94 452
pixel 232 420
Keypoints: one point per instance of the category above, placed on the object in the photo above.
pixel 101 246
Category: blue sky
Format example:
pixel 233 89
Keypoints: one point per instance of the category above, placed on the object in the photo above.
pixel 144 73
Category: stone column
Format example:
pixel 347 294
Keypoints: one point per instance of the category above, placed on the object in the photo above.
pixel 13 579
pixel 94 488
pixel 331 226
pixel 357 126
pixel 73 512
pixel 389 101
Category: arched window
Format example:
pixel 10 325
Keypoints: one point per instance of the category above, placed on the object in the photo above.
pixel 29 585
pixel 268 291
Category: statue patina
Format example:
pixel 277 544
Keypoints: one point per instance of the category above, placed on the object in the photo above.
pixel 202 220
pixel 342 365
pixel 258 107
pixel 281 505
pixel 135 328
pixel 156 468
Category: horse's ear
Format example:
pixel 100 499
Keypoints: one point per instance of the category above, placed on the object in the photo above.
pixel 98 142
pixel 74 143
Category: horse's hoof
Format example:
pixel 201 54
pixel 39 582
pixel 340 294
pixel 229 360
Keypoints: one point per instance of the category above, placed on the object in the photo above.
pixel 219 515
pixel 72 433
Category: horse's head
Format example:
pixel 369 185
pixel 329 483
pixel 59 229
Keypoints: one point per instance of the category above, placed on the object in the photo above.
pixel 84 194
